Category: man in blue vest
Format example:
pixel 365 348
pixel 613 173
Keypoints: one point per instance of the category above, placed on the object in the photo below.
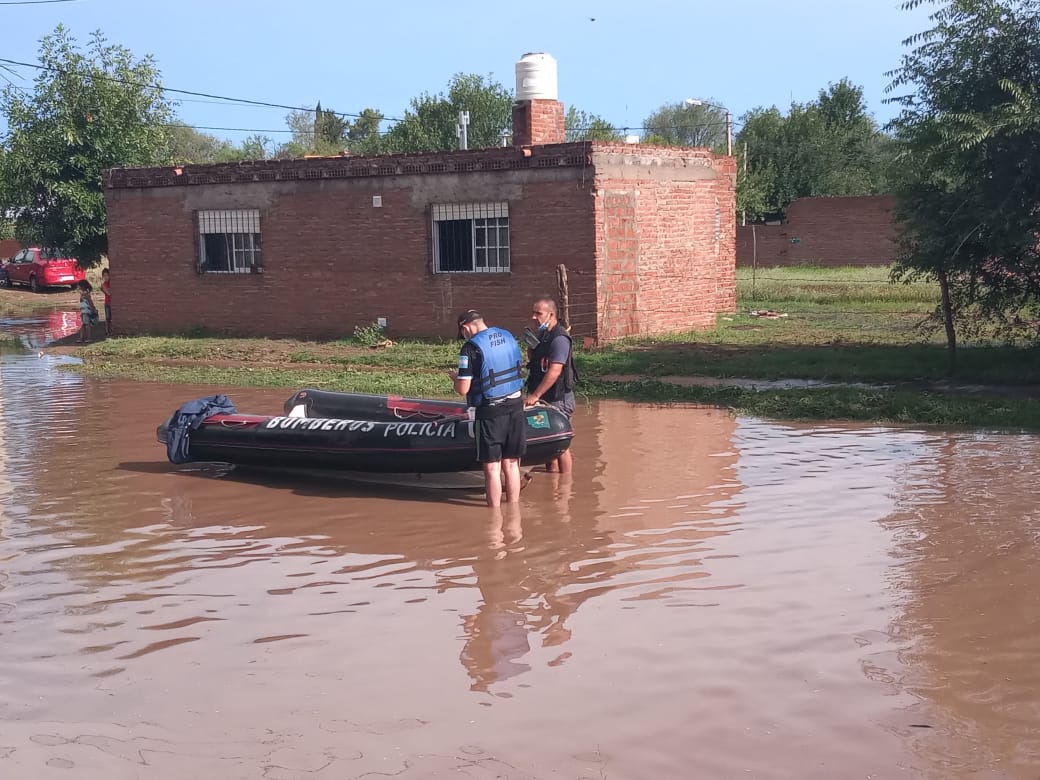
pixel 489 375
pixel 552 375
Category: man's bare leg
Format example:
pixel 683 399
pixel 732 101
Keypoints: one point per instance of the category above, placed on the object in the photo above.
pixel 493 483
pixel 511 470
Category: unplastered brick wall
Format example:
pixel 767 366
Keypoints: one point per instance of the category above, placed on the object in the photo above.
pixel 9 248
pixel 646 235
pixel 334 260
pixel 538 122
pixel 824 231
pixel 665 237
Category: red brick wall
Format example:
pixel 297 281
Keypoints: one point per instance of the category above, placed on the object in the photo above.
pixel 665 232
pixel 824 231
pixel 9 248
pixel 538 122
pixel 333 261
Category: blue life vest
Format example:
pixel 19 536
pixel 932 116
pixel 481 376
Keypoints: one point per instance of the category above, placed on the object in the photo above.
pixel 500 366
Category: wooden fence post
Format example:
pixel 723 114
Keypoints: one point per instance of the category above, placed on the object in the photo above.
pixel 564 296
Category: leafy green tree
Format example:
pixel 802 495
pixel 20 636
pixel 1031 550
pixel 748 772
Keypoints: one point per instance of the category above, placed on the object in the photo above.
pixel 968 134
pixel 255 147
pixel 684 124
pixel 88 111
pixel 582 126
pixel 430 124
pixel 330 131
pixel 365 127
pixel 188 145
pixel 323 131
pixel 830 147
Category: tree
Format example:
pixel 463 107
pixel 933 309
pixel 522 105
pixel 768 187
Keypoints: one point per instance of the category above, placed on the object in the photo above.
pixel 87 112
pixel 968 134
pixel 188 145
pixel 254 147
pixel 330 131
pixel 683 124
pixel 363 134
pixel 830 147
pixel 580 126
pixel 323 131
pixel 431 123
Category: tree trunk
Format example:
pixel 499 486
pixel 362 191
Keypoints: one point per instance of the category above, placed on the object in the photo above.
pixel 947 314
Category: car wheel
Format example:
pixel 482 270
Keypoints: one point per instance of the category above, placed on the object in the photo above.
pixel 5 282
pixel 33 285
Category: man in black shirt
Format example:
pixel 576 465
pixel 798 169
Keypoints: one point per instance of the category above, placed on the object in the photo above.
pixel 551 374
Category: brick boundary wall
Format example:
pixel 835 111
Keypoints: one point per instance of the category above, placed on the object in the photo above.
pixel 9 248
pixel 855 231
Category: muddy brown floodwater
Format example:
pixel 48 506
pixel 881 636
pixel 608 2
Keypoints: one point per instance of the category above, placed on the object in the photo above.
pixel 706 597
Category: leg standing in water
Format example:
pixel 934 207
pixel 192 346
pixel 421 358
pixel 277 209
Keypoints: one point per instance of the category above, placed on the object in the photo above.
pixel 489 377
pixel 551 374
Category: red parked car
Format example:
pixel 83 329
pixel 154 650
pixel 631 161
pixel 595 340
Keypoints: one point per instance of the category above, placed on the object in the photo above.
pixel 39 268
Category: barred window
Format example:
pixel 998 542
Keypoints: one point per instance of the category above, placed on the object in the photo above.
pixel 471 237
pixel 229 241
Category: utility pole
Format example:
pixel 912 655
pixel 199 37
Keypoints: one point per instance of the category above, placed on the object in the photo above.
pixel 743 214
pixel 461 129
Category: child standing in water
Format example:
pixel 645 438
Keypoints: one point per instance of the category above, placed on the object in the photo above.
pixel 108 301
pixel 88 313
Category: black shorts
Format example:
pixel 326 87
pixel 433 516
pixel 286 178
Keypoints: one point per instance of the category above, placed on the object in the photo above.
pixel 502 436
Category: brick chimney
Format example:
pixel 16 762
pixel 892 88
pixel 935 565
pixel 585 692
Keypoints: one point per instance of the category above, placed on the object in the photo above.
pixel 538 122
pixel 537 114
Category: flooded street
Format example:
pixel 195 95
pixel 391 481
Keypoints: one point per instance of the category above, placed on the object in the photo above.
pixel 706 597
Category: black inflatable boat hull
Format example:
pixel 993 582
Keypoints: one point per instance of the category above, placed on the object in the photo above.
pixel 400 436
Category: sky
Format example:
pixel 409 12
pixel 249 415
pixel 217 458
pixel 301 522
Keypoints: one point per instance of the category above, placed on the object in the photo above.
pixel 620 60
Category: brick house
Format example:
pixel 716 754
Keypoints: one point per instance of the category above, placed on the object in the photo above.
pixel 647 236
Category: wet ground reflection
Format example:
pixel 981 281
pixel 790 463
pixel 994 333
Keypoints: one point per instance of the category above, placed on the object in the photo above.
pixel 704 597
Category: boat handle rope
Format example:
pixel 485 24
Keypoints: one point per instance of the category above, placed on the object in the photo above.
pixel 401 415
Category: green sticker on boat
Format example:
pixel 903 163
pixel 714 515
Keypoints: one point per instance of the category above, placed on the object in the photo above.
pixel 538 420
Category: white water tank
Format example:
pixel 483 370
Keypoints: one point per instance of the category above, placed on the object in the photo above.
pixel 536 77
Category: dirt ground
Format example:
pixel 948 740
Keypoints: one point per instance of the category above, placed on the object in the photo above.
pixel 22 300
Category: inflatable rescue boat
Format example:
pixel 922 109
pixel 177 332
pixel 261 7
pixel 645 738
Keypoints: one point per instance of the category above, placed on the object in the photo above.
pixel 349 432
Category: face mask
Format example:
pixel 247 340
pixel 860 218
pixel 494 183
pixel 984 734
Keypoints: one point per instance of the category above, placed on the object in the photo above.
pixel 543 327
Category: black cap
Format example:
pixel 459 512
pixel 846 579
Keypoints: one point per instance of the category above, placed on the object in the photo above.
pixel 467 317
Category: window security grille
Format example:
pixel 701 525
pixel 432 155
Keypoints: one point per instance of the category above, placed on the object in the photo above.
pixel 471 237
pixel 229 241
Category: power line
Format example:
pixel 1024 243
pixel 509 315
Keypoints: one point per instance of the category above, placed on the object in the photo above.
pixel 267 104
pixel 252 129
pixel 245 101
pixel 35 2
pixel 235 129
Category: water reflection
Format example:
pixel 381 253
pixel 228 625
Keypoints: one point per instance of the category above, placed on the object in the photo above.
pixel 704 596
pixel 40 329
pixel 966 527
pixel 497 635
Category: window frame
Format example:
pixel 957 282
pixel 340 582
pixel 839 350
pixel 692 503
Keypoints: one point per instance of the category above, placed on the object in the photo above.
pixel 486 218
pixel 237 226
